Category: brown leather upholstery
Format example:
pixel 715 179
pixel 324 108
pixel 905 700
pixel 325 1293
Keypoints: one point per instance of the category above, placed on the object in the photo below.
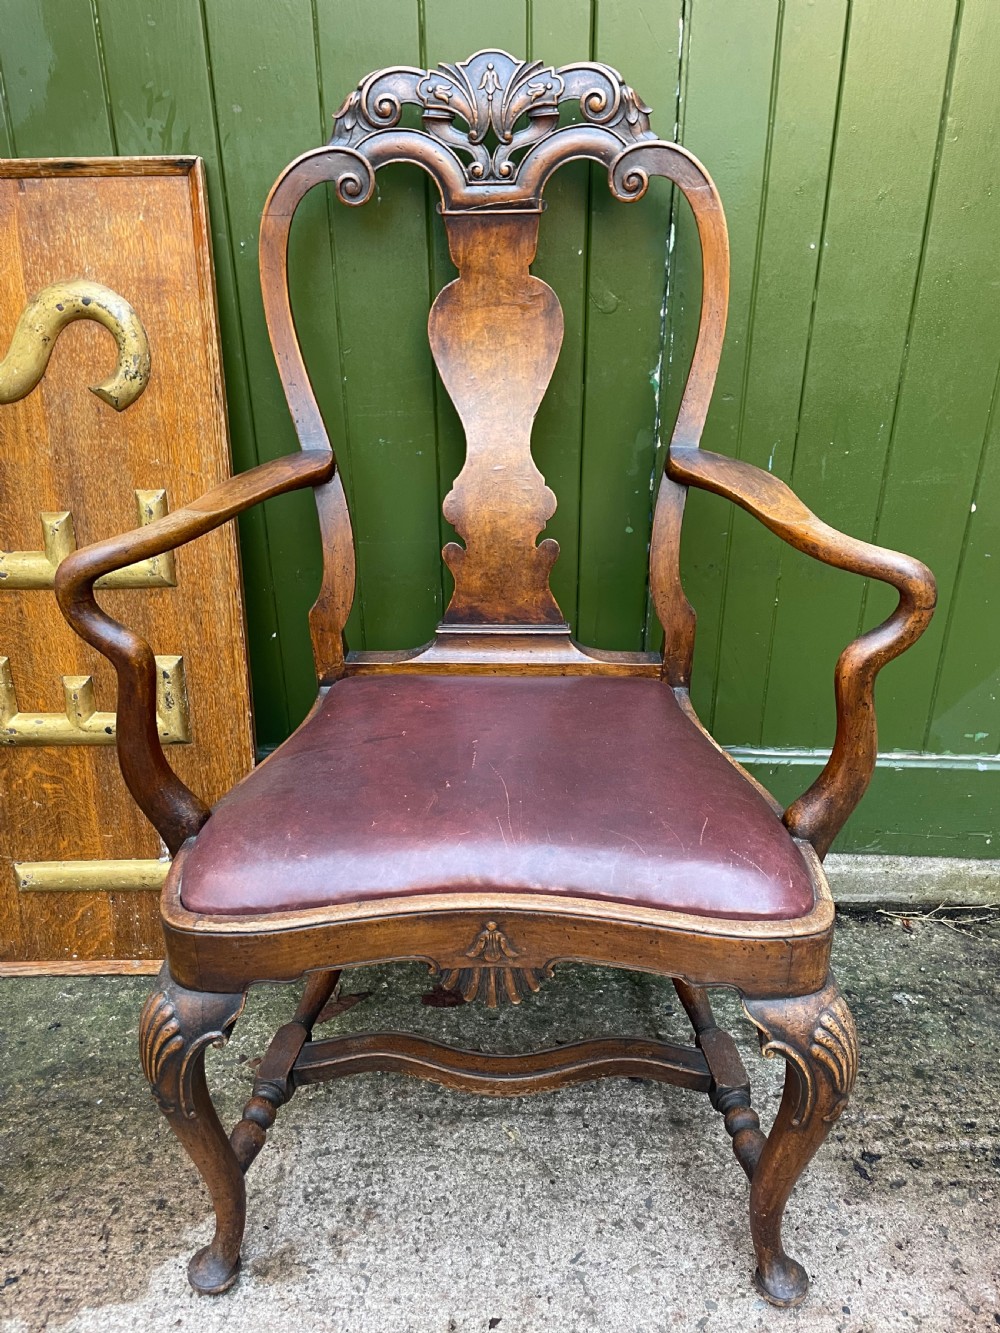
pixel 591 787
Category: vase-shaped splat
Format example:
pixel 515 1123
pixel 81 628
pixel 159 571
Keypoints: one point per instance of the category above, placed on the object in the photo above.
pixel 495 334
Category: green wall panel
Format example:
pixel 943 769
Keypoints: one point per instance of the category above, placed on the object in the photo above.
pixel 879 189
pixel 559 31
pixel 383 294
pixel 623 353
pixel 942 422
pixel 783 262
pixel 856 149
pixel 54 79
pixel 732 59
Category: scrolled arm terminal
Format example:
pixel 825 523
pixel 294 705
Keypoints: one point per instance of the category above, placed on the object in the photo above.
pixel 819 813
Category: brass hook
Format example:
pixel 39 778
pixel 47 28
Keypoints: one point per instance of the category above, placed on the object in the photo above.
pixel 44 318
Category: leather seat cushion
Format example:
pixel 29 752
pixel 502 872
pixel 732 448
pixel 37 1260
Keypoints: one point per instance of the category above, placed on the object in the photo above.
pixel 587 786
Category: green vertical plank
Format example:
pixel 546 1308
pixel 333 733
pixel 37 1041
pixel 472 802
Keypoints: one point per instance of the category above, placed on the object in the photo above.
pixel 950 370
pixel 805 88
pixel 560 34
pixel 6 134
pixel 894 78
pixel 453 33
pixel 731 61
pixel 263 62
pixel 161 102
pixel 626 274
pixel 53 79
pixel 965 712
pixel 383 298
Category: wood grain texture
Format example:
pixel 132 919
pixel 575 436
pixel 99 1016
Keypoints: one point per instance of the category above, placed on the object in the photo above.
pixel 101 967
pixel 496 325
pixel 501 1075
pixel 143 233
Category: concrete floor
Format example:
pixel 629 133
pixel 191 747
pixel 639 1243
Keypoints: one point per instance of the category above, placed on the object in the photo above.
pixel 383 1203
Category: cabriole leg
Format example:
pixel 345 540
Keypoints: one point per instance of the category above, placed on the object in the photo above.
pixel 175 1031
pixel 816 1036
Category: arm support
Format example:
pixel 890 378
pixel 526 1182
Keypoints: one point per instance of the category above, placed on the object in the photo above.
pixel 820 813
pixel 171 807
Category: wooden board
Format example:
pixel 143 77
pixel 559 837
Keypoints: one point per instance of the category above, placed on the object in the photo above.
pixel 138 226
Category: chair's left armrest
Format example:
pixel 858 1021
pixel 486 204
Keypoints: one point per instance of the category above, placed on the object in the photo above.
pixel 820 813
pixel 168 803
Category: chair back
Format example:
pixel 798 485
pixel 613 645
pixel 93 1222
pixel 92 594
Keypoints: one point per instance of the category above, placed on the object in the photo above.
pixel 490 137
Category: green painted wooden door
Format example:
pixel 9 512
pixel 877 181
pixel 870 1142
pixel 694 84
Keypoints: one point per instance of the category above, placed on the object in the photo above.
pixel 856 149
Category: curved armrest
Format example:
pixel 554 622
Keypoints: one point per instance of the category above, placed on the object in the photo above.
pixel 170 806
pixel 820 813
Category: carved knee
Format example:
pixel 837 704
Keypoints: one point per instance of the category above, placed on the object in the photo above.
pixel 176 1028
pixel 816 1036
pixel 175 1031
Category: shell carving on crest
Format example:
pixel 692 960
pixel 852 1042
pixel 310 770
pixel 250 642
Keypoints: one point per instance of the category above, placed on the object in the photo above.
pixel 491 94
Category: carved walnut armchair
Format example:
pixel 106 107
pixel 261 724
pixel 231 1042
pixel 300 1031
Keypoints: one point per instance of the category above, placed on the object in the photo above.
pixel 502 799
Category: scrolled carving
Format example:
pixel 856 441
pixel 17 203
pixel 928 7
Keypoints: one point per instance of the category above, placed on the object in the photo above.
pixel 160 1041
pixel 175 1028
pixel 606 99
pixel 355 183
pixel 835 1047
pixel 627 179
pixel 486 109
pixel 816 1034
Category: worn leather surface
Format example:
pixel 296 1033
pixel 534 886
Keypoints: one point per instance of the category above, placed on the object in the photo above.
pixel 584 786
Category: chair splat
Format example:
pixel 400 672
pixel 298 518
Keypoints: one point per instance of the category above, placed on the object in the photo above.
pixel 495 334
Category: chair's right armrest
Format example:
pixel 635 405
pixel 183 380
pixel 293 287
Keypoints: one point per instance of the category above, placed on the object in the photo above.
pixel 819 813
pixel 168 803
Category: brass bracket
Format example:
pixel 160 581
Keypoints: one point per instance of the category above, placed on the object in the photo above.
pixel 90 876
pixel 37 569
pixel 81 723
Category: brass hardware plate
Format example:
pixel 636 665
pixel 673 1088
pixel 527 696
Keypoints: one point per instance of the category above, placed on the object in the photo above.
pixel 47 314
pixel 89 876
pixel 37 569
pixel 81 723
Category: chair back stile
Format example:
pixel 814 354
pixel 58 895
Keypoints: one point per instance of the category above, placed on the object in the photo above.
pixel 490 139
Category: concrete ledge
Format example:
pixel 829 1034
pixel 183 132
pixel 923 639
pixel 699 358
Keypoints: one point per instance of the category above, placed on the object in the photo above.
pixel 913 881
